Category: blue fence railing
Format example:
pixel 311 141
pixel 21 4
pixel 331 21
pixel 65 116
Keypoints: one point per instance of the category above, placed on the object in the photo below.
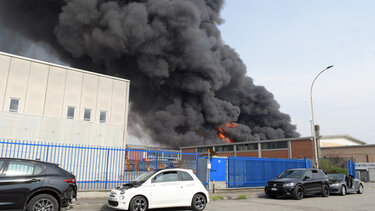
pixel 254 172
pixel 97 167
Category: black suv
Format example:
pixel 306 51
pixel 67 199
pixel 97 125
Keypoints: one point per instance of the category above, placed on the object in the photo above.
pixel 35 185
pixel 298 182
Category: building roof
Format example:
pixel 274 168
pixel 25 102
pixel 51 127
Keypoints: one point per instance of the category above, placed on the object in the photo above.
pixel 251 142
pixel 351 146
pixel 64 67
pixel 344 136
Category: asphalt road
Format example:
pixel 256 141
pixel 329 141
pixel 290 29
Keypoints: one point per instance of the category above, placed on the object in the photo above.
pixel 365 201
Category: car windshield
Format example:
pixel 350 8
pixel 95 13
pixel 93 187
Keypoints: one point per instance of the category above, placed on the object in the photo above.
pixel 292 174
pixel 335 176
pixel 145 176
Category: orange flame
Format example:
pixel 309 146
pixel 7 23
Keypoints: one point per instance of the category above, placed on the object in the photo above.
pixel 221 134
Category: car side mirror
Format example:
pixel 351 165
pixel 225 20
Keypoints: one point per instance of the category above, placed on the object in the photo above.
pixel 306 178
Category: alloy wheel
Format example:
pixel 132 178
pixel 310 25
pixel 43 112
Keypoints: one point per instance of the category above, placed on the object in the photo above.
pixel 139 204
pixel 43 205
pixel 200 202
pixel 343 190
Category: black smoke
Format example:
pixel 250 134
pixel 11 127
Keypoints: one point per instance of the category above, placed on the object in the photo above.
pixel 185 81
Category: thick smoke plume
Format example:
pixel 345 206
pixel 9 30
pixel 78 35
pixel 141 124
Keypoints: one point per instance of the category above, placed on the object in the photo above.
pixel 185 82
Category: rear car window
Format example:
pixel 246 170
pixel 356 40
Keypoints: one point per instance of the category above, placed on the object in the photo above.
pixel 185 176
pixel 20 168
pixel 38 170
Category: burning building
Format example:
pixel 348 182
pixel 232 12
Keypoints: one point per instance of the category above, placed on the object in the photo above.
pixel 187 84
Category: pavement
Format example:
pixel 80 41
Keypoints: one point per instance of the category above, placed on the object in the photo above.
pixel 251 199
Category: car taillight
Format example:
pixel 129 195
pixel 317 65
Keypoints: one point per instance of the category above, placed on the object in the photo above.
pixel 73 181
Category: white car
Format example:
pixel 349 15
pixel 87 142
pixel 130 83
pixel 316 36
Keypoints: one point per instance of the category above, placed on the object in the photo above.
pixel 160 189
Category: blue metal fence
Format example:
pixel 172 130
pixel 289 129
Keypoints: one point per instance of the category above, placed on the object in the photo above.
pixel 98 167
pixel 254 172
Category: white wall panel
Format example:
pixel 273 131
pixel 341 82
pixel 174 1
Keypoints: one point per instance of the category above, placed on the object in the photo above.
pixel 55 93
pixel 4 69
pixel 104 98
pixel 89 95
pixel 17 82
pixel 73 91
pixel 36 89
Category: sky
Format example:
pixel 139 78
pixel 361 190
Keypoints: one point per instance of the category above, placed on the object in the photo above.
pixel 285 44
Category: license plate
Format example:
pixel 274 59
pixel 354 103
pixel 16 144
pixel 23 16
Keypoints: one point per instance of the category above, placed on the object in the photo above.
pixel 274 189
pixel 112 198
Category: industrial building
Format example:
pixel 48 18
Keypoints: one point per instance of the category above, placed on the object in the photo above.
pixel 297 148
pixel 46 102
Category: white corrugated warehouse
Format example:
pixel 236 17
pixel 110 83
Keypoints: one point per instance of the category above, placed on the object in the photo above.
pixel 46 102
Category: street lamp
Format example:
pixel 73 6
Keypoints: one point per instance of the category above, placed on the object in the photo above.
pixel 312 117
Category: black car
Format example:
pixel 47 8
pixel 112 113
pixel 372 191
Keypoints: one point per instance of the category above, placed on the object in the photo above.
pixel 35 185
pixel 298 182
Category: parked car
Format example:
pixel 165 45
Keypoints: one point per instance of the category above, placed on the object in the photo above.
pixel 298 182
pixel 35 185
pixel 342 184
pixel 163 188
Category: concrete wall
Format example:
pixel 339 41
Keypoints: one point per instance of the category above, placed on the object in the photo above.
pixel 371 173
pixel 45 91
pixel 361 154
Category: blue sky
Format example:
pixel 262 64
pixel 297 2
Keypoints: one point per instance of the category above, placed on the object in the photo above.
pixel 285 44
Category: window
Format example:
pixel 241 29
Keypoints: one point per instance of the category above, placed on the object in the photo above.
pixel 227 148
pixel 247 147
pixel 103 116
pixel 204 149
pixel 70 112
pixel 14 103
pixel 87 114
pixel 17 168
pixel 185 176
pixel 169 176
pixel 275 145
pixel 38 170
pixel 1 163
pixel 308 173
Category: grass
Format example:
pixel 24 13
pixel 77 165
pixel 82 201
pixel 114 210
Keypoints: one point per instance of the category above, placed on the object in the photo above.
pixel 216 197
pixel 242 197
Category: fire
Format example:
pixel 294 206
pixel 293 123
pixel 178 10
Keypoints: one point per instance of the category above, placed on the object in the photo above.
pixel 221 134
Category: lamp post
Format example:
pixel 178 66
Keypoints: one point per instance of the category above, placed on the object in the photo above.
pixel 312 117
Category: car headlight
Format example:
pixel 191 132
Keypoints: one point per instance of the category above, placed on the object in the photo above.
pixel 291 184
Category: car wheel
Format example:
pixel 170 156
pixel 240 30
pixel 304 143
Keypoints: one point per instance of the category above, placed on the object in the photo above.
pixel 325 191
pixel 298 193
pixel 343 190
pixel 138 203
pixel 199 202
pixel 43 202
pixel 360 189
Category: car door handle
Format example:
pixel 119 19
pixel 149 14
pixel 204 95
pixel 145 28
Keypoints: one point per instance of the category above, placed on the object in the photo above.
pixel 34 180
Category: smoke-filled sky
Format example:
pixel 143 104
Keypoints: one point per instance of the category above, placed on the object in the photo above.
pixel 186 82
pixel 285 44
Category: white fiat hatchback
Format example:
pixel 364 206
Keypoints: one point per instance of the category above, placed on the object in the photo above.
pixel 160 189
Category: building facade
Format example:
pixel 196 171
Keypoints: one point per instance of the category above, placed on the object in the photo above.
pixel 360 153
pixel 47 102
pixel 296 148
